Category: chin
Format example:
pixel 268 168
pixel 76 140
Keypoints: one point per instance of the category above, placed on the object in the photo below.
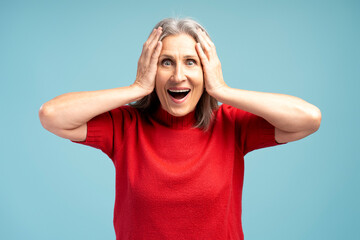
pixel 179 112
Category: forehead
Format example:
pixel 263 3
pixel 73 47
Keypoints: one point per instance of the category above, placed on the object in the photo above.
pixel 182 43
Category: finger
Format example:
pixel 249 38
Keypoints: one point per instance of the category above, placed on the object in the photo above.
pixel 151 38
pixel 205 46
pixel 149 50
pixel 152 35
pixel 202 55
pixel 148 47
pixel 208 41
pixel 204 37
pixel 156 38
pixel 148 72
pixel 207 38
pixel 155 56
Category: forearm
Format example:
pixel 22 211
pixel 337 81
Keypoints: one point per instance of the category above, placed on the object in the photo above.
pixel 285 112
pixel 71 110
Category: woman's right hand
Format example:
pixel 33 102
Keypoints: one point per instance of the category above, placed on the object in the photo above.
pixel 147 64
pixel 60 117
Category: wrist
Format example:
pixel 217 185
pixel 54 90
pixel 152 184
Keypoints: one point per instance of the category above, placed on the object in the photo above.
pixel 219 92
pixel 140 90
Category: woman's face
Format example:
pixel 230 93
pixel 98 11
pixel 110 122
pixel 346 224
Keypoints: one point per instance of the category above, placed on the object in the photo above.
pixel 179 79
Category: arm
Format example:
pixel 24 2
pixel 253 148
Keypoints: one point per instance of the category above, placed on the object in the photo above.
pixel 292 117
pixel 66 115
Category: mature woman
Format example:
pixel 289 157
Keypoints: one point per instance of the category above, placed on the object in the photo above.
pixel 179 157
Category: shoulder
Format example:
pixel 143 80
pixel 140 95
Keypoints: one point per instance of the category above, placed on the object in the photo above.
pixel 230 112
pixel 126 109
pixel 125 113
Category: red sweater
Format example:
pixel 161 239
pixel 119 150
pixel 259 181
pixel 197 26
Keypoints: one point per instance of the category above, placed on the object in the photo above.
pixel 174 181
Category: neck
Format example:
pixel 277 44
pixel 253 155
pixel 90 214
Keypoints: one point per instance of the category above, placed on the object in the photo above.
pixel 186 121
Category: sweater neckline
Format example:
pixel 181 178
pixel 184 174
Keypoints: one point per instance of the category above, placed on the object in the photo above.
pixel 165 118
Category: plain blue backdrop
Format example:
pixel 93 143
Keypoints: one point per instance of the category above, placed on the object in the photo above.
pixel 54 189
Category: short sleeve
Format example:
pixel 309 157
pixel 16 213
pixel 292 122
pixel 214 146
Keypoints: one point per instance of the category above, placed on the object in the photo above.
pixel 100 133
pixel 107 131
pixel 254 132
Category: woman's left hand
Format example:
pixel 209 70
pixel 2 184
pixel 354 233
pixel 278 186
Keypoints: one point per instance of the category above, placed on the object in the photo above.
pixel 213 77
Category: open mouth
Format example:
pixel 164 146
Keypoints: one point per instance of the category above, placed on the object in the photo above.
pixel 178 94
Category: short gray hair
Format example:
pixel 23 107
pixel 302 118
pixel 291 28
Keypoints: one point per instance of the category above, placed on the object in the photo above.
pixel 175 26
pixel 207 104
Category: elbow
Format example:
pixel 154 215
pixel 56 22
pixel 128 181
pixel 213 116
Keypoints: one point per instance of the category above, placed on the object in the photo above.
pixel 315 119
pixel 45 115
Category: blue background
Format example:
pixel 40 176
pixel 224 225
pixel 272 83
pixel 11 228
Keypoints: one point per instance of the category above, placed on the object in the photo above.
pixel 54 189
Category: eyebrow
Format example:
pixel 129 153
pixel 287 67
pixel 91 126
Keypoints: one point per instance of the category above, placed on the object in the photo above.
pixel 186 56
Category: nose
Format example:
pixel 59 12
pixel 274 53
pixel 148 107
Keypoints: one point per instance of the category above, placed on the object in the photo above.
pixel 179 74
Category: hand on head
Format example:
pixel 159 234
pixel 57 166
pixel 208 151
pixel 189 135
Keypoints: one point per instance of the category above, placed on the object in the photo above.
pixel 213 76
pixel 147 64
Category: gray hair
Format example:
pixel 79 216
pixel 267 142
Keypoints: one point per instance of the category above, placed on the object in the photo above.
pixel 207 104
pixel 175 26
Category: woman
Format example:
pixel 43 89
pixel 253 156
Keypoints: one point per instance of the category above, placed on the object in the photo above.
pixel 179 157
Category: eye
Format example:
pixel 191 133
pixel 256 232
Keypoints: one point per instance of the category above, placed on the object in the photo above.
pixel 191 62
pixel 166 62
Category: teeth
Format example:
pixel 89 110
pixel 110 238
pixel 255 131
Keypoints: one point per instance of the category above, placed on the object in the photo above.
pixel 178 91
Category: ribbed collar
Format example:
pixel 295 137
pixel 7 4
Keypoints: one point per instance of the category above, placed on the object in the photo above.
pixel 171 121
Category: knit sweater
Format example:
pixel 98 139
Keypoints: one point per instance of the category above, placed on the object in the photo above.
pixel 174 181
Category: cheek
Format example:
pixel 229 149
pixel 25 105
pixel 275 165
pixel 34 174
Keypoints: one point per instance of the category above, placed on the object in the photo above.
pixel 199 79
pixel 195 74
pixel 159 80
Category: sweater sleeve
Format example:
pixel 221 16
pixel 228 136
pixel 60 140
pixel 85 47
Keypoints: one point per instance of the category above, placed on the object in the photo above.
pixel 107 130
pixel 253 132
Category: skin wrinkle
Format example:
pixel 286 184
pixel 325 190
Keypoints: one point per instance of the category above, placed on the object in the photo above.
pixel 179 49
